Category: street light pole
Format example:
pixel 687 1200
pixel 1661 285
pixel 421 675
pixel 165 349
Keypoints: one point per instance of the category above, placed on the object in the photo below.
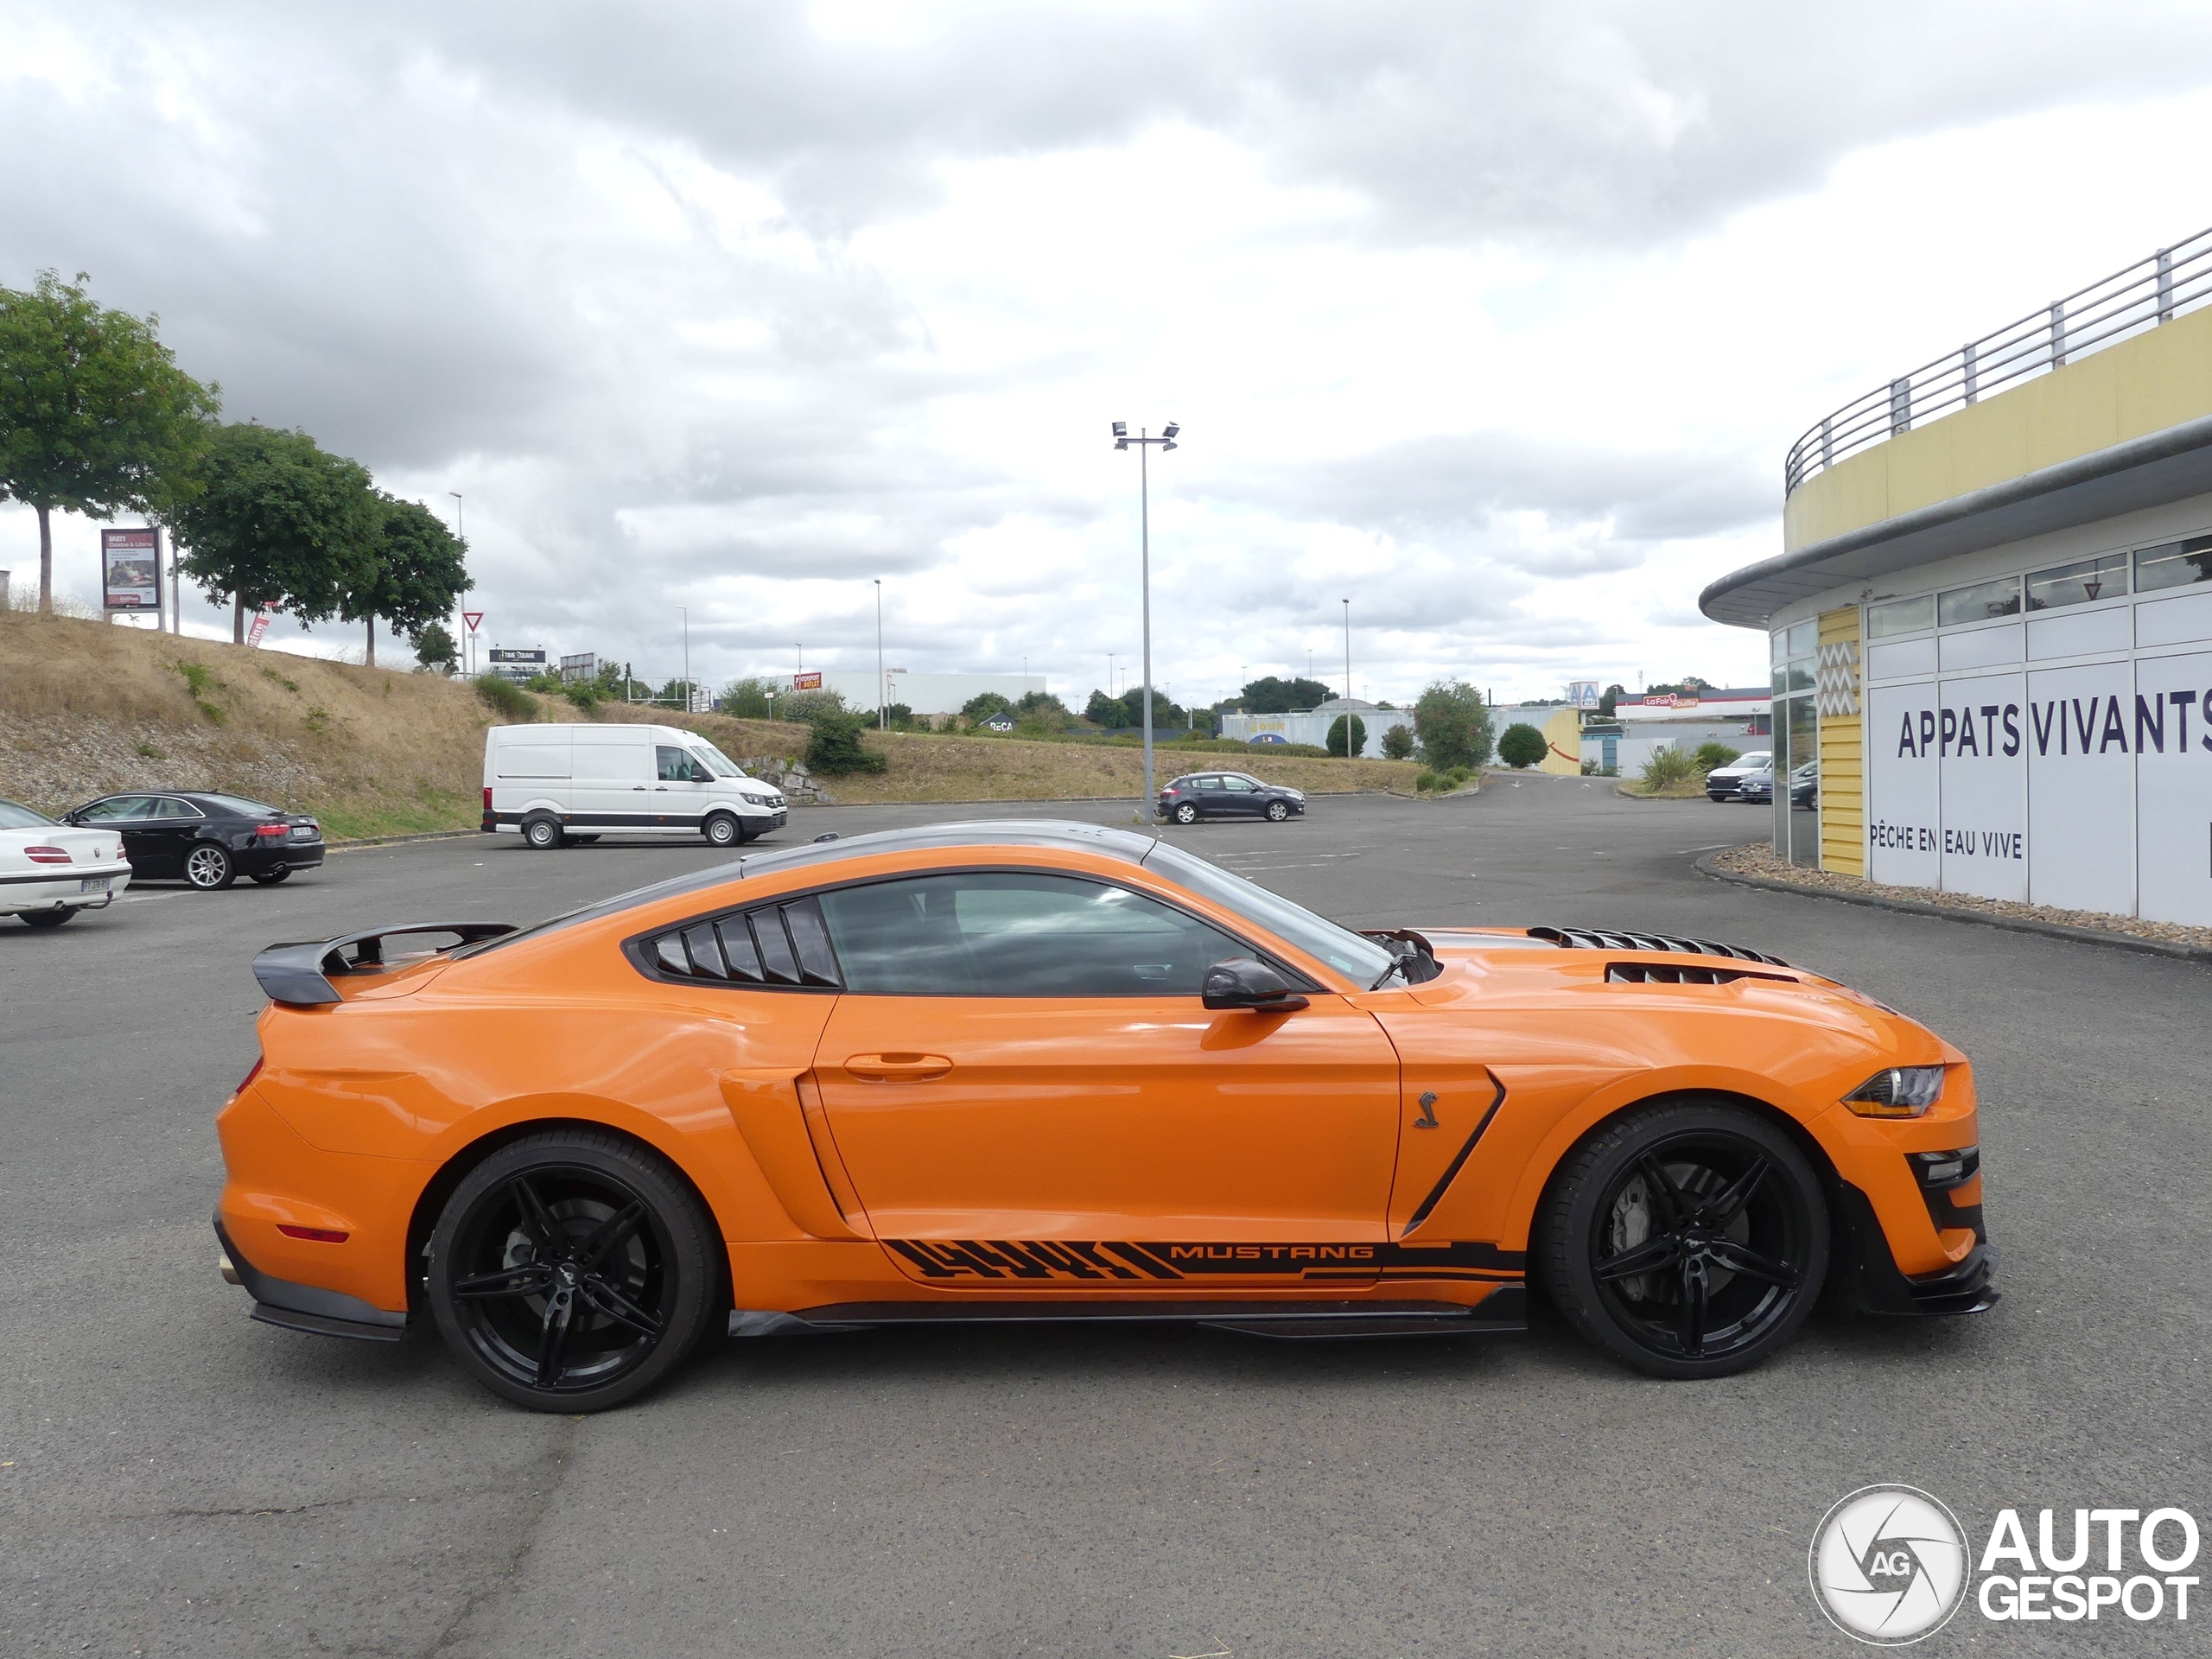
pixel 1144 442
pixel 688 698
pixel 879 653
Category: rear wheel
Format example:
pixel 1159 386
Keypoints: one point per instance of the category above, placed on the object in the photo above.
pixel 542 833
pixel 1187 812
pixel 208 867
pixel 47 918
pixel 1688 1238
pixel 572 1271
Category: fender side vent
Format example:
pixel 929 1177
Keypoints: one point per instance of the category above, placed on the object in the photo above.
pixel 1606 938
pixel 1666 973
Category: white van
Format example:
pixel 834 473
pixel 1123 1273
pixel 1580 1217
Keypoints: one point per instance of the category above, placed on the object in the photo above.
pixel 553 785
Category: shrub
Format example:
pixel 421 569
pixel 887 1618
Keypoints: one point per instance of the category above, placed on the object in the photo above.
pixel 583 693
pixel 506 699
pixel 1710 755
pixel 1428 781
pixel 1398 743
pixel 1522 746
pixel 805 707
pixel 1452 724
pixel 1335 743
pixel 748 699
pixel 834 745
pixel 1459 776
pixel 1667 769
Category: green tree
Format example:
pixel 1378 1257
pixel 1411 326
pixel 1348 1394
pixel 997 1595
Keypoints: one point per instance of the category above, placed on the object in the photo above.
pixel 1522 746
pixel 1452 724
pixel 834 745
pixel 898 716
pixel 275 520
pixel 1110 712
pixel 435 651
pixel 749 698
pixel 1041 714
pixel 95 416
pixel 1335 743
pixel 421 572
pixel 1271 695
pixel 1163 713
pixel 1611 702
pixel 1398 743
pixel 980 706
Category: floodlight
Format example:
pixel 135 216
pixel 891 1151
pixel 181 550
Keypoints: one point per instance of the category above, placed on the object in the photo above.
pixel 1166 445
pixel 1120 429
pixel 1169 430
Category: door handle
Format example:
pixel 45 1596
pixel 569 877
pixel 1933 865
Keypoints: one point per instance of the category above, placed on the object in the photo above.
pixel 640 788
pixel 898 1068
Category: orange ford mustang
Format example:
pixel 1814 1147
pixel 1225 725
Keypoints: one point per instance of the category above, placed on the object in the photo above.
pixel 995 1071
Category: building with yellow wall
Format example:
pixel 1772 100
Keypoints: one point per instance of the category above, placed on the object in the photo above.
pixel 1991 624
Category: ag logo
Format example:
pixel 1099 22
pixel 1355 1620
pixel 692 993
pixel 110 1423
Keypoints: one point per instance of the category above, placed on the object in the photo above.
pixel 1889 1565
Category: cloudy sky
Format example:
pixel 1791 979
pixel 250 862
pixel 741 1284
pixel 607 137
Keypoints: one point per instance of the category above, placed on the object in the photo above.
pixel 1495 318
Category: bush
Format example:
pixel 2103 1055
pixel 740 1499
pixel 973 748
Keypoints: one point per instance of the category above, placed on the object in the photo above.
pixel 833 746
pixel 748 699
pixel 1452 724
pixel 1398 743
pixel 980 706
pixel 506 699
pixel 1335 743
pixel 1522 746
pixel 1668 768
pixel 806 705
pixel 1428 781
pixel 1710 755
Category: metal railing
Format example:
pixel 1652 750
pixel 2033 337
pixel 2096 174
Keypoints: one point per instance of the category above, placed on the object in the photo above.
pixel 2140 296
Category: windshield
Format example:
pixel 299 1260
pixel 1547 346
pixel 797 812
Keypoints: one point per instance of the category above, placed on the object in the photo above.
pixel 22 817
pixel 1360 960
pixel 718 763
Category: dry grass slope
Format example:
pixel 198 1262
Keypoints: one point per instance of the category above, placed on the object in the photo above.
pixel 86 707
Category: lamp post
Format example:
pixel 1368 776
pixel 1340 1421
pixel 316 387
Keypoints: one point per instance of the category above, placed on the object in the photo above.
pixel 688 698
pixel 1144 442
pixel 879 653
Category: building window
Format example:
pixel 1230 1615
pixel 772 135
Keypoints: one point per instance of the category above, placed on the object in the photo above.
pixel 2174 564
pixel 2077 584
pixel 1979 602
pixel 1901 616
pixel 1796 736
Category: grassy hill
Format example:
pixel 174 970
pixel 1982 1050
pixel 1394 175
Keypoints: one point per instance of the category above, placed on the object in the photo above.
pixel 87 707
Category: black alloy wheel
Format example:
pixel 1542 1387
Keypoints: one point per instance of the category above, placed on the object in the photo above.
pixel 210 867
pixel 47 918
pixel 1688 1238
pixel 271 878
pixel 1278 810
pixel 1187 812
pixel 542 833
pixel 571 1271
pixel 722 830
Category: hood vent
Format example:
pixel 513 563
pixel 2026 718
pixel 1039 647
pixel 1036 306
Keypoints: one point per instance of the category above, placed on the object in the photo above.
pixel 1665 973
pixel 1604 938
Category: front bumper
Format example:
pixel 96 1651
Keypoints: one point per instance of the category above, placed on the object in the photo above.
pixel 307 1307
pixel 1866 1274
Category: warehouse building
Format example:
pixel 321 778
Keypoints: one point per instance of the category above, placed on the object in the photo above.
pixel 1991 625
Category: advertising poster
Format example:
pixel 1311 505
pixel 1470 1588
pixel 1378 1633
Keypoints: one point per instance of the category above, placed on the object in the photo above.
pixel 131 563
pixel 260 625
pixel 806 682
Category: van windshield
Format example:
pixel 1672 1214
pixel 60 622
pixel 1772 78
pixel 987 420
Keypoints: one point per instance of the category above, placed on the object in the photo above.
pixel 718 763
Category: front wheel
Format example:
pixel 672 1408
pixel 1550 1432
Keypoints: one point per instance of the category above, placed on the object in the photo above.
pixel 571 1271
pixel 1688 1238
pixel 1187 812
pixel 209 869
pixel 1278 810
pixel 722 830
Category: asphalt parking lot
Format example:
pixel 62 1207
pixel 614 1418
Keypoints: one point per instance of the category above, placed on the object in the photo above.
pixel 176 1480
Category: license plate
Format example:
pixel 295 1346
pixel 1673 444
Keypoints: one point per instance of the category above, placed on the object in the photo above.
pixel 303 832
pixel 94 883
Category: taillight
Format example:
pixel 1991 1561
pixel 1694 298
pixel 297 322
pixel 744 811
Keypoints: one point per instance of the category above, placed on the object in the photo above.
pixel 488 797
pixel 313 1235
pixel 46 855
pixel 260 829
pixel 249 1077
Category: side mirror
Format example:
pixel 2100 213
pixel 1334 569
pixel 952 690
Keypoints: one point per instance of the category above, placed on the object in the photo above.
pixel 1243 982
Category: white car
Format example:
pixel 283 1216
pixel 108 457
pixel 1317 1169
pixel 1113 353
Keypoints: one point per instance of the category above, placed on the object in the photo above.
pixel 1723 783
pixel 553 785
pixel 50 871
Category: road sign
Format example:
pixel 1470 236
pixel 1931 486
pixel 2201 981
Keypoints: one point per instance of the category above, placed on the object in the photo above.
pixel 472 618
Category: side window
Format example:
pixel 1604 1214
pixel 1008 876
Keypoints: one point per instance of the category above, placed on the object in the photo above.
pixel 769 946
pixel 118 808
pixel 1006 933
pixel 675 765
pixel 1238 785
pixel 1210 785
pixel 166 808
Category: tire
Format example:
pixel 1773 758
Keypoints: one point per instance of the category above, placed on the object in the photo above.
pixel 722 830
pixel 1187 812
pixel 521 1303
pixel 272 878
pixel 1703 1189
pixel 1278 810
pixel 543 834
pixel 47 918
pixel 210 867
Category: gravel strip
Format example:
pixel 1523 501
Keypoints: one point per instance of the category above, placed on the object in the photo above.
pixel 1757 865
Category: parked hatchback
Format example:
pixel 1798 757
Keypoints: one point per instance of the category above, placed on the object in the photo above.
pixel 205 839
pixel 1228 795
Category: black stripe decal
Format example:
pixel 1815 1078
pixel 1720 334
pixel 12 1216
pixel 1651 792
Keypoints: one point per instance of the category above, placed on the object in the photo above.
pixel 1437 1194
pixel 1138 1258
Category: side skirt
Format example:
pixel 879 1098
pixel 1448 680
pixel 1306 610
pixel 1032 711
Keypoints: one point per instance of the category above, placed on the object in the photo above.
pixel 1504 1312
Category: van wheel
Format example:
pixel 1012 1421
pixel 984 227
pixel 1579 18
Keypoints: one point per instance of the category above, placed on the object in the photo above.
pixel 722 830
pixel 542 833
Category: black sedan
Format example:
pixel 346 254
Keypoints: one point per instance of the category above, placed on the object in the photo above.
pixel 1228 795
pixel 205 839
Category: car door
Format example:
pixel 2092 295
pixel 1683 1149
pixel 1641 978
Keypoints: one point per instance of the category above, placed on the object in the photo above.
pixel 681 782
pixel 1211 797
pixel 176 825
pixel 132 818
pixel 1239 799
pixel 1023 1085
pixel 613 776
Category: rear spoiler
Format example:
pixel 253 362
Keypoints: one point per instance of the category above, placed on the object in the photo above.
pixel 299 975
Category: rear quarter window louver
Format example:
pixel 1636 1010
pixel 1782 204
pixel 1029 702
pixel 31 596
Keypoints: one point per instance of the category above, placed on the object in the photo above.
pixel 764 947
pixel 1666 973
pixel 1606 938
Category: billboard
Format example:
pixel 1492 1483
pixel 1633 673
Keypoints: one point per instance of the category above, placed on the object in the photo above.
pixel 807 681
pixel 583 665
pixel 517 663
pixel 131 565
pixel 1584 694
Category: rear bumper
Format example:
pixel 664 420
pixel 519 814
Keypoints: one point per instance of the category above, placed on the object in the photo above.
pixel 307 1307
pixel 57 891
pixel 283 856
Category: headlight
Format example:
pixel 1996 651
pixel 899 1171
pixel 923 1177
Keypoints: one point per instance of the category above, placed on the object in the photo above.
pixel 1901 1091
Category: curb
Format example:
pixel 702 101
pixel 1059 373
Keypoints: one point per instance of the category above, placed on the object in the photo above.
pixel 350 842
pixel 2011 923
